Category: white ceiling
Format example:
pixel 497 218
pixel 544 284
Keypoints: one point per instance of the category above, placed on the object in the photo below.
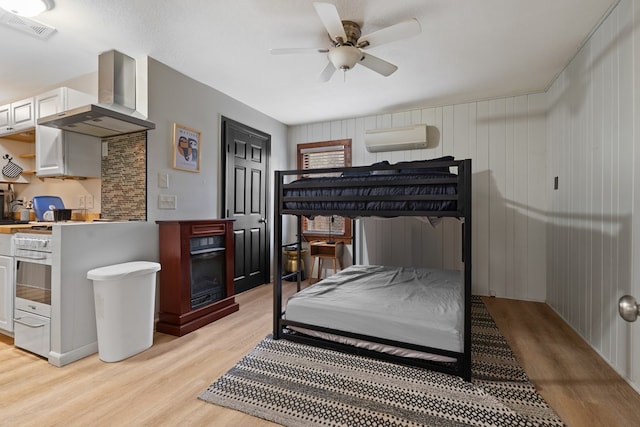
pixel 468 49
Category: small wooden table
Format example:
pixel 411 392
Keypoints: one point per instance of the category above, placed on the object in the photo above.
pixel 322 250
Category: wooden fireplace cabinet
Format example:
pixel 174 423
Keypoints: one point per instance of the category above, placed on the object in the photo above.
pixel 176 315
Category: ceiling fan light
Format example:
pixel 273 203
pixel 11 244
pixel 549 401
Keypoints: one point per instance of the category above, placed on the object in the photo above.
pixel 345 57
pixel 26 8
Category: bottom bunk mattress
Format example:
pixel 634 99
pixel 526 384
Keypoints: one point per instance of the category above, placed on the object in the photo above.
pixel 419 306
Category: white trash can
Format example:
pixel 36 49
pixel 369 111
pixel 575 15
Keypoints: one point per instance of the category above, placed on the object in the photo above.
pixel 124 296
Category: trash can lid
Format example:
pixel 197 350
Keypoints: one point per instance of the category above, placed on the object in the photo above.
pixel 119 271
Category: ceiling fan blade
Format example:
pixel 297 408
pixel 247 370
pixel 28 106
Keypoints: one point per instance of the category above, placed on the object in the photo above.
pixel 378 65
pixel 390 34
pixel 331 20
pixel 294 50
pixel 327 73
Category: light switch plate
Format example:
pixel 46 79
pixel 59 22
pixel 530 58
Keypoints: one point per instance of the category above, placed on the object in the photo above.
pixel 163 180
pixel 82 202
pixel 167 201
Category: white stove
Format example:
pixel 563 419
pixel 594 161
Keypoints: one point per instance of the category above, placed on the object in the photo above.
pixel 32 318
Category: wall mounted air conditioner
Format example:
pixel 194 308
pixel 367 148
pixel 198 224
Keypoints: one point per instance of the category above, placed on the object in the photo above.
pixel 403 138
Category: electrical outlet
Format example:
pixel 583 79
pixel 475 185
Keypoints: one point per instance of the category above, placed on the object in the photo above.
pixel 81 202
pixel 167 201
pixel 89 201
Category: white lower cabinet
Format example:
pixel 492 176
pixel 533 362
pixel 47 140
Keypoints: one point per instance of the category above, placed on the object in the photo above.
pixel 6 293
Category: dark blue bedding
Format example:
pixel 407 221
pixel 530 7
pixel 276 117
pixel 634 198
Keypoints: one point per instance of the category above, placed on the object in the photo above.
pixel 406 191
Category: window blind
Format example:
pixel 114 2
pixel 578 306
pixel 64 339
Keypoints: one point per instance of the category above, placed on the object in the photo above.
pixel 329 154
pixel 323 157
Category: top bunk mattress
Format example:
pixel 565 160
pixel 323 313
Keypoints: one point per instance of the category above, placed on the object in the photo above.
pixel 410 188
pixel 375 193
pixel 412 305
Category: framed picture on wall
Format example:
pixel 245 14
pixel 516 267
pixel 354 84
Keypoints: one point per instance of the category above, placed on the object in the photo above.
pixel 186 148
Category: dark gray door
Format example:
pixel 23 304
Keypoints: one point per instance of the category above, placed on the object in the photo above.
pixel 246 165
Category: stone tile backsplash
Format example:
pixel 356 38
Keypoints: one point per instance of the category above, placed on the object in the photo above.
pixel 124 177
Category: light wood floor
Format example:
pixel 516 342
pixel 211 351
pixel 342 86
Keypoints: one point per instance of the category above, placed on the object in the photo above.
pixel 582 388
pixel 159 387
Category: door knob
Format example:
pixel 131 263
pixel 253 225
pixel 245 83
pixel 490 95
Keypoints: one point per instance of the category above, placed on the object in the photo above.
pixel 628 308
pixel 262 220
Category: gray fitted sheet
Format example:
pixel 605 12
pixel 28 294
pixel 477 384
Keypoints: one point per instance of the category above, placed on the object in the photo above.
pixel 407 304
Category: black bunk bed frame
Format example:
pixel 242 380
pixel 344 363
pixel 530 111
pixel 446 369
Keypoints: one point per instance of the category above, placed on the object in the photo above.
pixel 462 180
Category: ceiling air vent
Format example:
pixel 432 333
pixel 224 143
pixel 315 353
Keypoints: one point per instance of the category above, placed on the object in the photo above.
pixel 26 25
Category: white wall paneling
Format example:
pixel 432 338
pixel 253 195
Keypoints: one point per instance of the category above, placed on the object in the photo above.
pixel 593 224
pixel 508 191
pixel 573 247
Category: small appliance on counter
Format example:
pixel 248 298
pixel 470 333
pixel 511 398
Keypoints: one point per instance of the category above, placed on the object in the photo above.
pixel 9 206
pixel 25 212
pixel 6 199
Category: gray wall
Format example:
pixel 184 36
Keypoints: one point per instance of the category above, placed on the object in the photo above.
pixel 176 98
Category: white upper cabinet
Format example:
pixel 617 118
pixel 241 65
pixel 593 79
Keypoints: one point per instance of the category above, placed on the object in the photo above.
pixel 60 153
pixel 17 116
pixel 57 152
pixel 49 103
pixel 59 100
pixel 4 117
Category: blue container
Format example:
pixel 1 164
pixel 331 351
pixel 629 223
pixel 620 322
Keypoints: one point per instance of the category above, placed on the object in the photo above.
pixel 41 204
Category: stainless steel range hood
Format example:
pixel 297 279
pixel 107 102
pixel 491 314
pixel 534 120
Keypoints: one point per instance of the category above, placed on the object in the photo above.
pixel 115 113
pixel 95 120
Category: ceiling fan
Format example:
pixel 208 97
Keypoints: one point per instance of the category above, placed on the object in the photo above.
pixel 347 45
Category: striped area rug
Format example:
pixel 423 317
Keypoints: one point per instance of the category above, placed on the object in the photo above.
pixel 298 385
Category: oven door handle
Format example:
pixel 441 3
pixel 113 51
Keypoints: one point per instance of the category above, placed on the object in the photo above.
pixel 29 324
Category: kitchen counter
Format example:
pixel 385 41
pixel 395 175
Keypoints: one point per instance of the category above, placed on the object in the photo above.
pixel 13 228
pixel 76 248
pixel 75 219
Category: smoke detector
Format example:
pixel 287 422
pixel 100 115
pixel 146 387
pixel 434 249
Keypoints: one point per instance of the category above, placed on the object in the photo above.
pixel 26 25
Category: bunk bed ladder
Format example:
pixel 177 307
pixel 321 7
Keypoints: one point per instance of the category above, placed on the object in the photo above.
pixel 298 244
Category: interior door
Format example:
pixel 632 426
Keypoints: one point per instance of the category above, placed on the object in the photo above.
pixel 632 330
pixel 635 351
pixel 246 200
